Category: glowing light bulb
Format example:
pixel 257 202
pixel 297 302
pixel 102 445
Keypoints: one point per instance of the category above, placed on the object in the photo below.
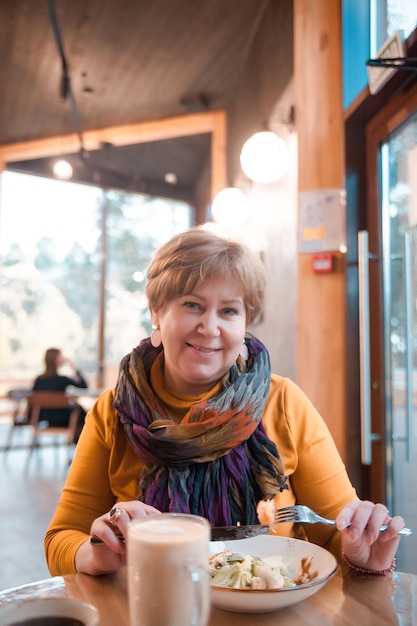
pixel 63 170
pixel 264 157
pixel 231 207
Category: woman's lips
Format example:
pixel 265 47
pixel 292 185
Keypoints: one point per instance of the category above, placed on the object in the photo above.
pixel 202 349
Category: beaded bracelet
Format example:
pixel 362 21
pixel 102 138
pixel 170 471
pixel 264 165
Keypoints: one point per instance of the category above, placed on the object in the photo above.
pixel 369 572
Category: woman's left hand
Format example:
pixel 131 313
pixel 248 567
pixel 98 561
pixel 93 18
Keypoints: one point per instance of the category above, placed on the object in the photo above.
pixel 362 542
pixel 110 528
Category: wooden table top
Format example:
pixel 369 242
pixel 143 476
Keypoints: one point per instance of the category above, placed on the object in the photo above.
pixel 343 601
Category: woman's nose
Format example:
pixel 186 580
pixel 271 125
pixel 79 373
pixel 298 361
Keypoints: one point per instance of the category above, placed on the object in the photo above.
pixel 208 324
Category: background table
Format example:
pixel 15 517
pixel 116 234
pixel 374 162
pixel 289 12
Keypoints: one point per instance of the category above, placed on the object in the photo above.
pixel 343 601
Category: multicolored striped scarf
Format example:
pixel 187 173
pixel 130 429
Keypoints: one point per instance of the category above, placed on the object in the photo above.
pixel 218 461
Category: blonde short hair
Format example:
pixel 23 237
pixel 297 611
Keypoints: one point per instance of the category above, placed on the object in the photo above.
pixel 193 256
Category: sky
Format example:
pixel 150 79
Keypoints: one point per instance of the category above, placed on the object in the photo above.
pixel 32 207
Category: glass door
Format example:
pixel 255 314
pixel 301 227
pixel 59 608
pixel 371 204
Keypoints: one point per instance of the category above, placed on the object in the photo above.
pixel 392 259
pixel 398 183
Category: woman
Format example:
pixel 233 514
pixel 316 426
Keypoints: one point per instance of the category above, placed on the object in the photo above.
pixel 51 380
pixel 198 424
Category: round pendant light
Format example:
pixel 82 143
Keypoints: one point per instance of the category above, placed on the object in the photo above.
pixel 264 157
pixel 230 207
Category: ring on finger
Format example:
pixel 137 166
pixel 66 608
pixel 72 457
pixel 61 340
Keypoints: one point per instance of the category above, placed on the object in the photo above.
pixel 114 515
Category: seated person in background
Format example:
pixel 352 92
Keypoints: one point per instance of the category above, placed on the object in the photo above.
pixel 50 380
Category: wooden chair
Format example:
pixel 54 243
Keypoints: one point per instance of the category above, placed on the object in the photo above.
pixel 51 435
pixel 20 416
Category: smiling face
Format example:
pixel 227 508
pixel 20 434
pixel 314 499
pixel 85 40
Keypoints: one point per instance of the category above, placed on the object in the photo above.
pixel 202 333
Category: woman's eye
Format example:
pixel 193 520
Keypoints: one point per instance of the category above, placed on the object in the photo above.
pixel 191 305
pixel 230 312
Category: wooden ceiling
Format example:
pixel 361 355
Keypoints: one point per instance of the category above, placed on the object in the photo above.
pixel 129 61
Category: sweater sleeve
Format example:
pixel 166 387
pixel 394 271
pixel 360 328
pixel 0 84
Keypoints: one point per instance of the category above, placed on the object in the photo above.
pixel 79 381
pixel 317 475
pixel 104 471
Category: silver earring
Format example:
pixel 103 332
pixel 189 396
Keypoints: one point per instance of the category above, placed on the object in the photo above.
pixel 244 352
pixel 156 336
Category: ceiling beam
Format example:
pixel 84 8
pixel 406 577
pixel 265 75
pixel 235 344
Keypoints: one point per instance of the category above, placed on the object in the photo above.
pixel 213 122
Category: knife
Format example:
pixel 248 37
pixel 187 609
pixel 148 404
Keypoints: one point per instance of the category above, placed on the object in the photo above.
pixel 219 533
pixel 229 533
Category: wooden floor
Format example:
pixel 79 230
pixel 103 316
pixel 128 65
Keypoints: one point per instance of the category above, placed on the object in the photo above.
pixel 29 493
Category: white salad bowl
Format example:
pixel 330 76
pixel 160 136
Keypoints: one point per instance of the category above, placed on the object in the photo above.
pixel 292 552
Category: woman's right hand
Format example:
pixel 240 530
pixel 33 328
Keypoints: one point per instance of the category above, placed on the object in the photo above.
pixel 110 555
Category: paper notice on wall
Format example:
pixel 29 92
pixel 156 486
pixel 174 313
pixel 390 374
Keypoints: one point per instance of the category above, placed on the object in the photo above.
pixel 412 178
pixel 322 221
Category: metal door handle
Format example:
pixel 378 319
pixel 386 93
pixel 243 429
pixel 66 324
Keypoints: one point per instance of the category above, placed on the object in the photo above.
pixel 364 349
pixel 409 344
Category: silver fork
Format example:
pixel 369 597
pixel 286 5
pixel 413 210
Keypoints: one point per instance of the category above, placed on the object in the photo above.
pixel 304 515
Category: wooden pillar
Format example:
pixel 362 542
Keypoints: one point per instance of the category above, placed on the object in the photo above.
pixel 321 368
pixel 2 168
pixel 218 153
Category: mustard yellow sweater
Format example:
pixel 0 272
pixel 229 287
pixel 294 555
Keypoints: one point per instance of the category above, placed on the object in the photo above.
pixel 105 470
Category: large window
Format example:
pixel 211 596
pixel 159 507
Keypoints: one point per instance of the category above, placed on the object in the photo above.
pixel 367 24
pixel 389 16
pixel 73 262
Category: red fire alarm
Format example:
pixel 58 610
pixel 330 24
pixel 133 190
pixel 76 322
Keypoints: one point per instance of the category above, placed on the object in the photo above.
pixel 322 263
